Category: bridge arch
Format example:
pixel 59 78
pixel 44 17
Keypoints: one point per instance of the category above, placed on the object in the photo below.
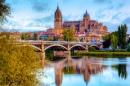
pixel 35 47
pixel 78 45
pixel 55 45
pixel 95 46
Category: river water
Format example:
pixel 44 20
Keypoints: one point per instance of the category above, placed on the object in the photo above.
pixel 87 71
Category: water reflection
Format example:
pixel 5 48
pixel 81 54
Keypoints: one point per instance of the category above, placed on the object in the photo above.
pixel 83 66
pixel 121 68
pixel 89 71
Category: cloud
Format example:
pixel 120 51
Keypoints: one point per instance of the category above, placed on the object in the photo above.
pixel 117 16
pixel 126 21
pixel 46 19
pixel 34 24
pixel 45 22
pixel 110 4
pixel 110 11
pixel 114 27
pixel 119 5
pixel 39 5
pixel 100 14
pixel 72 17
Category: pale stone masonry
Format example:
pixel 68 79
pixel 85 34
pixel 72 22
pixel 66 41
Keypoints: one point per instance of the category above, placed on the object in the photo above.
pixel 86 29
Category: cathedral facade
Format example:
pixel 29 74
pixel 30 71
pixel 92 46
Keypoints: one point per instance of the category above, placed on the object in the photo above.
pixel 86 28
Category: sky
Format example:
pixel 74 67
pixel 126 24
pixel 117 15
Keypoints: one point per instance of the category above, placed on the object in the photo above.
pixel 38 15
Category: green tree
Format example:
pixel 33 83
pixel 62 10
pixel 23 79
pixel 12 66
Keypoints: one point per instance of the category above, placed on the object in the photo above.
pixel 4 11
pixel 106 37
pixel 114 42
pixel 49 39
pixel 81 39
pixel 25 36
pixel 68 35
pixel 119 35
pixel 55 38
pixel 115 33
pixel 35 36
pixel 18 64
pixel 87 40
pixel 128 48
pixel 122 30
pixel 91 49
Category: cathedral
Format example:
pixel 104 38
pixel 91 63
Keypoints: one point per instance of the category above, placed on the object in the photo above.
pixel 86 28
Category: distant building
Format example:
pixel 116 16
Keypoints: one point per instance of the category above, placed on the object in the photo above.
pixel 127 36
pixel 46 35
pixel 90 29
pixel 51 30
pixel 15 35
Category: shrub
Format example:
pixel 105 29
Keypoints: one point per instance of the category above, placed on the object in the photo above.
pixel 91 49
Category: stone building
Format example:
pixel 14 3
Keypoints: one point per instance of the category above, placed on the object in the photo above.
pixel 92 30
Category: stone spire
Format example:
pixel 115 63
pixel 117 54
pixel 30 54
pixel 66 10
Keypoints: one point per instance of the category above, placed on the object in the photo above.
pixel 58 14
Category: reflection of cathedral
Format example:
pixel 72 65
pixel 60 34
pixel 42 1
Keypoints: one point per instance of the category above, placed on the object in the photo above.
pixel 58 76
pixel 84 66
pixel 87 27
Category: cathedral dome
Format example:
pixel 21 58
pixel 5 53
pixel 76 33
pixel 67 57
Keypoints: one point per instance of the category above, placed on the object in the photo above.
pixel 86 16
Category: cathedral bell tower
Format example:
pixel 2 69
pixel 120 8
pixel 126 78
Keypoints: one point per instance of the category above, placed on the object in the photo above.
pixel 58 21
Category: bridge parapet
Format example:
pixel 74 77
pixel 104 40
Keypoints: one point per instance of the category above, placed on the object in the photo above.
pixel 94 43
pixel 63 44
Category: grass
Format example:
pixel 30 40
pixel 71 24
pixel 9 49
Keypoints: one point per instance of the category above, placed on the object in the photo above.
pixel 104 54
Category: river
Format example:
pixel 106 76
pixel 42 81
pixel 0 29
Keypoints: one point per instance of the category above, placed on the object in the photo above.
pixel 87 71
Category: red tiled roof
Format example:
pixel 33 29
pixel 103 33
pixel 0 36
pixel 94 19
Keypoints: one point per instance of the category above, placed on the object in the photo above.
pixel 48 33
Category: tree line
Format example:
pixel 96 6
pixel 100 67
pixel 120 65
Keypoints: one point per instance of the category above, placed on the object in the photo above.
pixel 118 38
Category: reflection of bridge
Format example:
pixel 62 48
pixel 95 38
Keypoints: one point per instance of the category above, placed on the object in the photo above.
pixel 85 66
pixel 62 45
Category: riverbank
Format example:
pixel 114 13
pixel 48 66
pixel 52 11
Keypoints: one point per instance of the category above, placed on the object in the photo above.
pixel 104 54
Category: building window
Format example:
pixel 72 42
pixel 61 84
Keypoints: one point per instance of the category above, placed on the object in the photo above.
pixel 85 30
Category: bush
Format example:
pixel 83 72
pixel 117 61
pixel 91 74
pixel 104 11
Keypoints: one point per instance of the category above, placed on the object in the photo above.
pixel 103 54
pixel 121 50
pixel 91 49
pixel 18 64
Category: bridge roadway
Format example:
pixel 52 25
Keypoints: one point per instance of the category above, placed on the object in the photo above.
pixel 62 45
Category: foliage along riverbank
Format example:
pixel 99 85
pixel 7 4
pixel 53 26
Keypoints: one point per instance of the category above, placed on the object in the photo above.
pixel 104 54
pixel 18 64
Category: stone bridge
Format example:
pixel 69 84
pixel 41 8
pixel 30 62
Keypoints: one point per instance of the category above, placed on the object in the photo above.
pixel 62 45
